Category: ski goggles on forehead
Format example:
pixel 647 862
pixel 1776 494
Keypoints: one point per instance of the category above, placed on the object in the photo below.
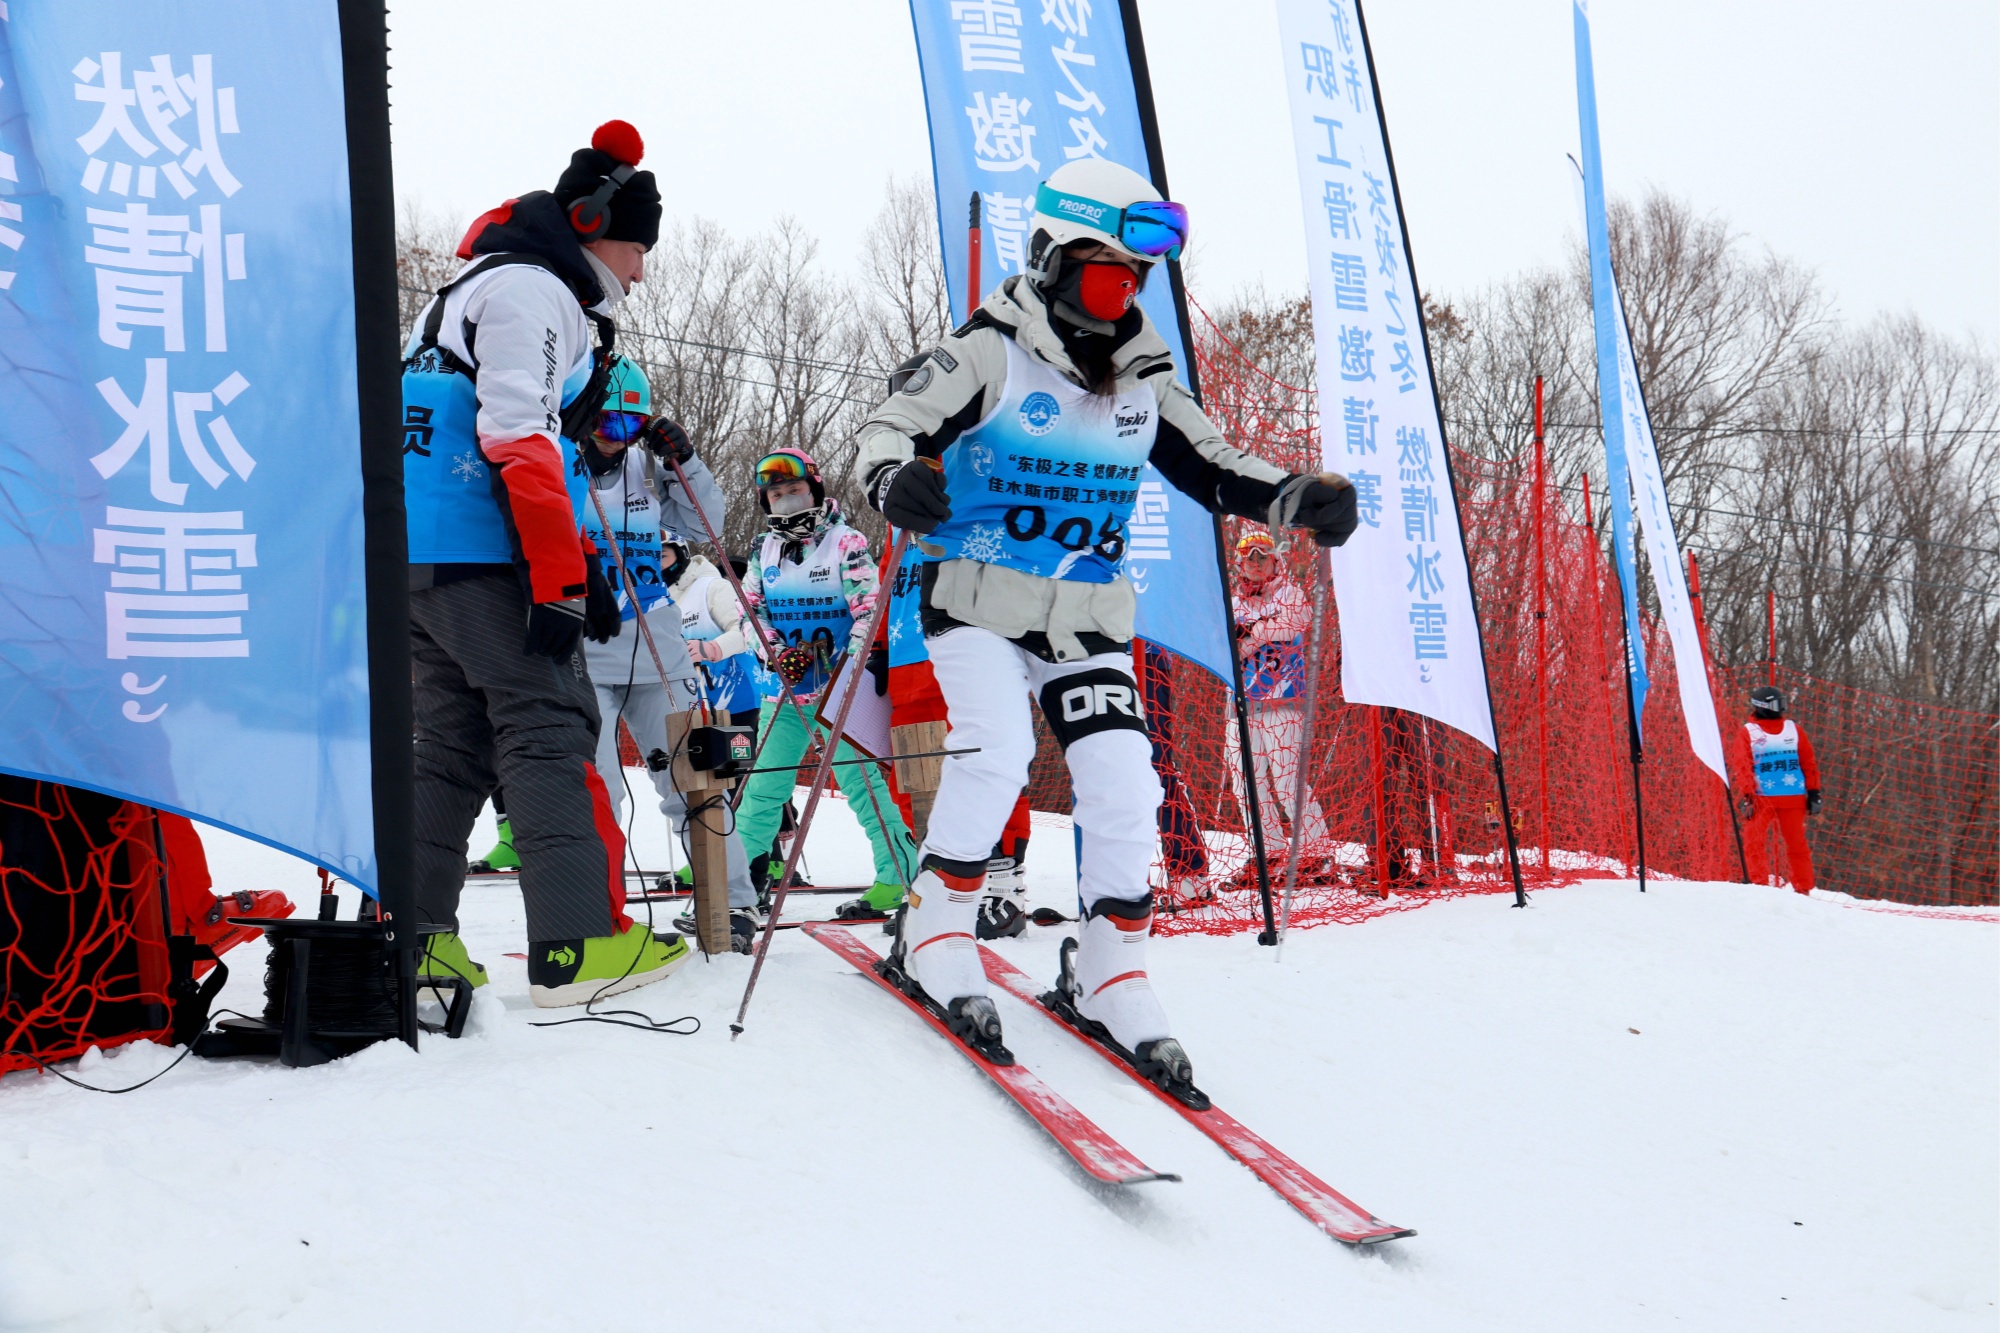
pixel 1158 228
pixel 622 427
pixel 774 469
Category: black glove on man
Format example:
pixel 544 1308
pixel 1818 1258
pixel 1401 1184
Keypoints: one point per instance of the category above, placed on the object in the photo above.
pixel 1812 802
pixel 668 440
pixel 554 628
pixel 1328 511
pixel 601 618
pixel 913 497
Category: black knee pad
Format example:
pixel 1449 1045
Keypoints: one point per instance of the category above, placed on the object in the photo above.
pixel 1122 909
pixel 1089 702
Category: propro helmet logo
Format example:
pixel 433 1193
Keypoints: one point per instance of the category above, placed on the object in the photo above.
pixel 1039 413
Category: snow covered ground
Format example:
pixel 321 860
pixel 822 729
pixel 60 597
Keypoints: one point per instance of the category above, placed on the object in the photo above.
pixel 1711 1107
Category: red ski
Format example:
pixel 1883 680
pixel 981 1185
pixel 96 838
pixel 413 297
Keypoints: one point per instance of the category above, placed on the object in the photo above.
pixel 1094 1150
pixel 1324 1206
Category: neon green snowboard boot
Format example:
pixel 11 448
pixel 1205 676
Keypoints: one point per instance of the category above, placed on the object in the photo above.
pixel 502 857
pixel 444 957
pixel 566 972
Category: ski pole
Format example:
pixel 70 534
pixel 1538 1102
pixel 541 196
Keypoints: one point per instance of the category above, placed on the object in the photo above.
pixel 871 759
pixel 1300 777
pixel 813 794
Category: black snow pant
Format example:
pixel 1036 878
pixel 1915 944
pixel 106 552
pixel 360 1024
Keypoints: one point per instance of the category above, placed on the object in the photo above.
pixel 489 715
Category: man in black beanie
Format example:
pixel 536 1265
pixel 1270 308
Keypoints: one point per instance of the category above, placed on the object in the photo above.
pixel 499 372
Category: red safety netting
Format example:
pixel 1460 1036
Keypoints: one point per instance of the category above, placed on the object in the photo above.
pixel 84 958
pixel 1404 811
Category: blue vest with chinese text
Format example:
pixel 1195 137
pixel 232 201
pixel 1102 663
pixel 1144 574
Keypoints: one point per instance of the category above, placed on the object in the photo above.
pixel 1046 482
pixel 1775 760
pixel 728 685
pixel 807 604
pixel 635 518
pixel 906 627
pixel 448 504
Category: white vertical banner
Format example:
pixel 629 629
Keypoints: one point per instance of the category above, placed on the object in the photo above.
pixel 1663 550
pixel 1401 582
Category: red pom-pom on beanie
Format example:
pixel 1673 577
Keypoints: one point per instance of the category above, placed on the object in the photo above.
pixel 618 139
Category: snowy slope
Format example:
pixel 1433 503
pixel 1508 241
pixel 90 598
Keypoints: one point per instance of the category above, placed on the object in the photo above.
pixel 1799 1135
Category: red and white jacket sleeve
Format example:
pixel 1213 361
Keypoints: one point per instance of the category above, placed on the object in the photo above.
pixel 532 334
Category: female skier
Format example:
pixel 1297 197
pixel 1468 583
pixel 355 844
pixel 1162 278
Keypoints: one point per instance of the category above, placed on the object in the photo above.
pixel 1017 452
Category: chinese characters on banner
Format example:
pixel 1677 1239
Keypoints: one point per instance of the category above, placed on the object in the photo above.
pixel 1632 461
pixel 1400 582
pixel 181 606
pixel 1013 91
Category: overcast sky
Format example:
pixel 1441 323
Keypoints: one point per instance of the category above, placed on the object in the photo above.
pixel 1862 140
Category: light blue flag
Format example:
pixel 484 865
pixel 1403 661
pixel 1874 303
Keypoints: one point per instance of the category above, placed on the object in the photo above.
pixel 1015 90
pixel 182 619
pixel 1610 383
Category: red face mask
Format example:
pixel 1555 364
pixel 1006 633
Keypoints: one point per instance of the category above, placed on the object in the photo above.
pixel 1106 291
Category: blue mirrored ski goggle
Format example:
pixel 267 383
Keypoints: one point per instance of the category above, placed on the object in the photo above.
pixel 622 427
pixel 1158 228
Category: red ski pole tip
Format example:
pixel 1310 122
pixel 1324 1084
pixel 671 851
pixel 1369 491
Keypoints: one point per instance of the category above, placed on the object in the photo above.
pixel 620 140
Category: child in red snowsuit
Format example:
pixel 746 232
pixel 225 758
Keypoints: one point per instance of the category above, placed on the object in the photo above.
pixel 1771 764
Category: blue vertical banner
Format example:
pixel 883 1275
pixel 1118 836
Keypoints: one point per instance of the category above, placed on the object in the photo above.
pixel 1611 387
pixel 182 610
pixel 1013 91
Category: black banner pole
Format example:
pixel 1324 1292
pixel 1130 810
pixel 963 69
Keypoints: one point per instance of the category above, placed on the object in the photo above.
pixel 364 43
pixel 1156 167
pixel 1450 474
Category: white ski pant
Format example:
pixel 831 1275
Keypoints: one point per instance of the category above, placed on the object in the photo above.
pixel 1277 727
pixel 1093 707
pixel 644 704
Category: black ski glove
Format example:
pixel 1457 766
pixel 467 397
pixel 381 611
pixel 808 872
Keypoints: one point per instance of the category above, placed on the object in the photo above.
pixel 554 628
pixel 1812 802
pixel 1328 511
pixel 878 667
pixel 913 496
pixel 601 619
pixel 668 441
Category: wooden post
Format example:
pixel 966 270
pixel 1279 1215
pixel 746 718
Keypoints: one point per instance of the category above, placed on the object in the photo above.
pixel 707 833
pixel 919 777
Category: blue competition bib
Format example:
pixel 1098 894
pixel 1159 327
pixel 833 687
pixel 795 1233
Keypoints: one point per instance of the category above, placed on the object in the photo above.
pixel 906 627
pixel 1775 760
pixel 1046 482
pixel 807 605
pixel 635 521
pixel 1276 671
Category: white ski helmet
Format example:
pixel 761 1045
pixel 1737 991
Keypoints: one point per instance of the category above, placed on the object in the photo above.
pixel 1087 200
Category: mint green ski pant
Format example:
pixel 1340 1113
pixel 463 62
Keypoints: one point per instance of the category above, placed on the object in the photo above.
pixel 764 796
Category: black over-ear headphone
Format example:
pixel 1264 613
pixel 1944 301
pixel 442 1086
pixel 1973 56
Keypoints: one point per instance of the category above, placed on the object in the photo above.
pixel 590 217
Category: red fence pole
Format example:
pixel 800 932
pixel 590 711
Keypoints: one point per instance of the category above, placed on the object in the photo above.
pixel 1376 760
pixel 1542 625
pixel 972 234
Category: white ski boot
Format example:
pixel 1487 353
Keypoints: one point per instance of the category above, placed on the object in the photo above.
pixel 935 960
pixel 1103 992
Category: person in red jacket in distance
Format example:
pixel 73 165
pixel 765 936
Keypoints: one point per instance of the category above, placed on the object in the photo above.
pixel 1771 764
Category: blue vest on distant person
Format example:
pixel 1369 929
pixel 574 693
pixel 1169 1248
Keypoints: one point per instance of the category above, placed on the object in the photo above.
pixel 729 686
pixel 449 508
pixel 1046 482
pixel 1775 760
